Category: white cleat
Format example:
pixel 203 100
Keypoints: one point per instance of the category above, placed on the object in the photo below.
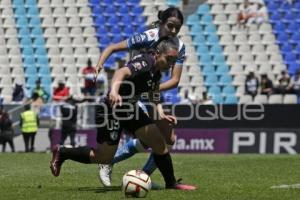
pixel 105 174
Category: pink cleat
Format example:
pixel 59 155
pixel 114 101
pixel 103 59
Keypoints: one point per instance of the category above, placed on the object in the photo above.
pixel 56 163
pixel 181 186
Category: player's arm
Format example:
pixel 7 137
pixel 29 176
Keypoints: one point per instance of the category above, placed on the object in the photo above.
pixel 117 79
pixel 108 51
pixel 174 81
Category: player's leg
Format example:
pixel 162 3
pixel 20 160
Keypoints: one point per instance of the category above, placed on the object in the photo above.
pixel 150 135
pixel 169 135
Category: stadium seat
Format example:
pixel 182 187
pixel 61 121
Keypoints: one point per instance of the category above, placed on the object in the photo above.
pixel 230 99
pixel 275 99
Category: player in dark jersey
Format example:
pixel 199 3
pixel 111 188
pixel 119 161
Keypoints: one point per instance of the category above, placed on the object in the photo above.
pixel 119 110
pixel 169 24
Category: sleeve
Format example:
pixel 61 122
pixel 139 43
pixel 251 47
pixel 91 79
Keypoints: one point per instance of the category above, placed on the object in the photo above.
pixel 181 56
pixel 138 40
pixel 139 64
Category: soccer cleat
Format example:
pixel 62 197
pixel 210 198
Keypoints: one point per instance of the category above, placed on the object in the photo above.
pixel 56 163
pixel 180 186
pixel 105 172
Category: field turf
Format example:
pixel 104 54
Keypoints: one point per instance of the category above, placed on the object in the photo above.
pixel 218 177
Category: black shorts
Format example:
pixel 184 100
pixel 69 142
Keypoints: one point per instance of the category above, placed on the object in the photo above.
pixel 111 122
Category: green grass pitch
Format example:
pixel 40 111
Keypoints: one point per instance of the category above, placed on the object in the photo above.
pixel 218 177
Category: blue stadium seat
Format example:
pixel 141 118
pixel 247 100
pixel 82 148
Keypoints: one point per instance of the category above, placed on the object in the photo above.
pixel 133 2
pixel 109 62
pixel 39 42
pixel 295 38
pixel 33 11
pixel 196 29
pixel 115 30
pixel 192 19
pixel 211 79
pixel 203 9
pixel 292 28
pixel 40 52
pixel 212 40
pixel 225 79
pixel 120 2
pixel 136 10
pixel 274 17
pixel 297 50
pixel 16 3
pixel 199 40
pixel 139 20
pixel 228 89
pixel 28 61
pixel 205 59
pixel 24 32
pixel 288 17
pixel 222 69
pixel 46 81
pixel 216 50
pixel 127 31
pixel 206 19
pixel 208 70
pixel 42 62
pixel 103 42
pixel 36 32
pixel 210 29
pixel 30 71
pixel 290 59
pixel 25 42
pixel 110 10
pixel 141 29
pixel 202 50
pixel 125 20
pixel 31 81
pixel 20 12
pixel 112 21
pixel 34 22
pixel 214 90
pixel 293 68
pixel 217 98
pixel 218 59
pixel 21 22
pixel 94 2
pixel 278 27
pixel 230 99
pixel 282 38
pixel 31 3
pixel 123 10
pixel 117 38
pixel 101 31
pixel 97 11
pixel 28 52
pixel 99 20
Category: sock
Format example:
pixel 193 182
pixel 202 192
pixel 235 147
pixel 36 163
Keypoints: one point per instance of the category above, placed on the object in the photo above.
pixel 150 165
pixel 132 147
pixel 165 166
pixel 79 154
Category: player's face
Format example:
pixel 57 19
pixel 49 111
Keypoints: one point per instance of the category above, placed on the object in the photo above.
pixel 165 61
pixel 171 27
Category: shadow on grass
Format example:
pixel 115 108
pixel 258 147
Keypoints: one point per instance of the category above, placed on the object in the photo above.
pixel 98 189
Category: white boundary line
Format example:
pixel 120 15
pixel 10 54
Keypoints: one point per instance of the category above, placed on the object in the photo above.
pixel 297 185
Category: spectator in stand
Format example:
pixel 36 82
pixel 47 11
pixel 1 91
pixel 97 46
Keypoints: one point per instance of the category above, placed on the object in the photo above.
pixel 251 12
pixel 89 83
pixel 6 131
pixel 284 83
pixel 37 102
pixel 90 86
pixel 186 98
pixel 206 99
pixel 40 91
pixel 18 93
pixel 251 84
pixel 266 85
pixel 296 83
pixel 29 124
pixel 62 92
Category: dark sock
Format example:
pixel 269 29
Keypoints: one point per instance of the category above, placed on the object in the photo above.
pixel 79 154
pixel 165 166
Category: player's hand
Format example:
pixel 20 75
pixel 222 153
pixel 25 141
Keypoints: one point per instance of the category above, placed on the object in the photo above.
pixel 115 99
pixel 171 119
pixel 97 72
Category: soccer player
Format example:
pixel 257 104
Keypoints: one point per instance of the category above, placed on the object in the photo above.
pixel 119 110
pixel 169 24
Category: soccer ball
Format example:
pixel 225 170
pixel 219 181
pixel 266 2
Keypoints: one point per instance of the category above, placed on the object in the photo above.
pixel 136 183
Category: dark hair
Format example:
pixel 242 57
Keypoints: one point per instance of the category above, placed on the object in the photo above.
pixel 163 16
pixel 89 62
pixel 166 43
